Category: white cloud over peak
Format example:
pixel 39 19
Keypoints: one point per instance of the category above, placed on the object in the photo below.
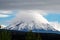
pixel 27 12
pixel 42 12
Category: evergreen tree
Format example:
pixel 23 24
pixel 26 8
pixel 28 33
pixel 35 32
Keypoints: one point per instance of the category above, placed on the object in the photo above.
pixel 39 37
pixel 5 35
pixel 0 26
pixel 32 36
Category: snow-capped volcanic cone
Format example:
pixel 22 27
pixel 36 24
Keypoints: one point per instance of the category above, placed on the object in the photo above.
pixel 30 20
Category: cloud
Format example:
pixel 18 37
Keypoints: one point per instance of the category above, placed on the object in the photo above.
pixel 25 12
pixel 47 5
pixel 5 13
pixel 3 16
pixel 33 11
pixel 56 25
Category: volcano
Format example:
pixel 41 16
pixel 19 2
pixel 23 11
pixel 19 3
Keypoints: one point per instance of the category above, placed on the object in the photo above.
pixel 30 20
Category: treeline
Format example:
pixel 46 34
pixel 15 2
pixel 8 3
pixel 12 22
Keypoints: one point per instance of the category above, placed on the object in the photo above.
pixel 7 35
pixel 31 36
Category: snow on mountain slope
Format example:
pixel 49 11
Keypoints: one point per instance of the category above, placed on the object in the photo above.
pixel 2 26
pixel 30 20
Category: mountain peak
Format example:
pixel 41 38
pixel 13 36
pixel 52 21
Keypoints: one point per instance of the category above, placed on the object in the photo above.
pixel 30 21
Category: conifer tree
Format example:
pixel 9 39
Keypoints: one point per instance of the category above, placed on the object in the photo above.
pixel 5 35
pixel 0 26
pixel 32 36
pixel 39 37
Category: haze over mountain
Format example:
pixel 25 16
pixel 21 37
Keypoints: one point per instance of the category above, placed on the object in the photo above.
pixel 30 20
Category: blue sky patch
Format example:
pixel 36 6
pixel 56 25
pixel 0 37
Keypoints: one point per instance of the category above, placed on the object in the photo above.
pixel 53 17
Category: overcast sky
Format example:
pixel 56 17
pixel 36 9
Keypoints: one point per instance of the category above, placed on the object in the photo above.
pixel 47 5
